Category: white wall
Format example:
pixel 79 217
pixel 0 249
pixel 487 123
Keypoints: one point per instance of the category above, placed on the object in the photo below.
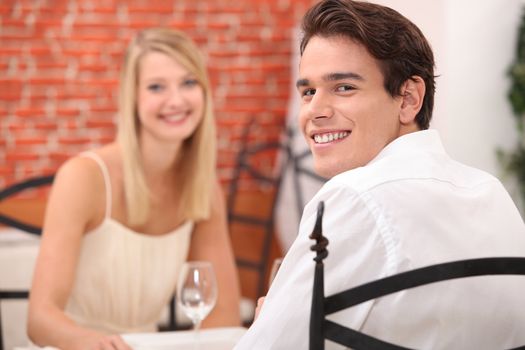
pixel 474 44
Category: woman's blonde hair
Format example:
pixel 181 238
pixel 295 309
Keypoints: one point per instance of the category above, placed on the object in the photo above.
pixel 196 161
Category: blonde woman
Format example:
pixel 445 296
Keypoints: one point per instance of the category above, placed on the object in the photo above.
pixel 122 219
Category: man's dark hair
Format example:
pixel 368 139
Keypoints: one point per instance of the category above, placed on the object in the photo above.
pixel 398 45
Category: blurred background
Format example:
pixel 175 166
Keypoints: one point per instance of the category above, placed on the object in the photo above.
pixel 59 70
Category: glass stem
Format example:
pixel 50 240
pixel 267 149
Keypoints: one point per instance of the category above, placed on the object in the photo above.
pixel 196 331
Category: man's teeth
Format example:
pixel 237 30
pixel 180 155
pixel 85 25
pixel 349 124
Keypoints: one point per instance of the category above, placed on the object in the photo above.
pixel 329 137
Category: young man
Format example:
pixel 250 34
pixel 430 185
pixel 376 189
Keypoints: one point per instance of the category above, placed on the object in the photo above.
pixel 396 201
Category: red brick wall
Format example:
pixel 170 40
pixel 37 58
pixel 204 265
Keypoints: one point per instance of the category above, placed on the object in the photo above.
pixel 59 64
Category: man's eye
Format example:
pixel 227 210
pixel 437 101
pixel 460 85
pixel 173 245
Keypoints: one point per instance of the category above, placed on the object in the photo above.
pixel 308 92
pixel 344 88
pixel 155 87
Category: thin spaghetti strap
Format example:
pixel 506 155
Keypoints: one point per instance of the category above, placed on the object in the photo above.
pixel 105 174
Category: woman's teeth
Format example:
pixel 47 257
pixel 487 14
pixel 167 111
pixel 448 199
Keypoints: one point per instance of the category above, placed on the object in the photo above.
pixel 174 117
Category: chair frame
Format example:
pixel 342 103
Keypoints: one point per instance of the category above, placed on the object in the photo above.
pixel 267 224
pixel 321 328
pixel 11 294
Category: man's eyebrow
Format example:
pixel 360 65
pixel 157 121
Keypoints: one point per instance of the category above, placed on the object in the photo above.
pixel 341 76
pixel 332 77
pixel 302 82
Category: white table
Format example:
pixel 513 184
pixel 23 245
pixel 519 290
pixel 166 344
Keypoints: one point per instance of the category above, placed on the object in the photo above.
pixel 18 252
pixel 209 339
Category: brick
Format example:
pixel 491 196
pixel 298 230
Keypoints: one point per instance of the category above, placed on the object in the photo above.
pixel 70 95
pixel 9 96
pixel 19 156
pixel 140 24
pixel 218 26
pixel 6 171
pixel 223 54
pixel 5 10
pixel 80 52
pixel 100 123
pixel 246 37
pixel 41 24
pixel 73 140
pixel 43 65
pixel 59 157
pixel 31 141
pixel 46 126
pixel 14 127
pixel 11 51
pixel 30 112
pixel 94 25
pixel 93 67
pixel 275 67
pixel 182 25
pixel 104 10
pixel 47 81
pixel 13 22
pixel 161 8
pixel 67 112
pixel 104 140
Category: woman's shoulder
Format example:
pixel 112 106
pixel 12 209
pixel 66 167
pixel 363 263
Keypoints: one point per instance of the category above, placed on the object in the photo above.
pixel 85 170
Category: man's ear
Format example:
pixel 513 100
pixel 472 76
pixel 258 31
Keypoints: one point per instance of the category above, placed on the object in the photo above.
pixel 412 94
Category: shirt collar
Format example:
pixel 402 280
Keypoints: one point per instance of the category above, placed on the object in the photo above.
pixel 419 141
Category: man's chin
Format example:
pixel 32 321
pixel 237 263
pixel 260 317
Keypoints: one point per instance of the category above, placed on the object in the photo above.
pixel 326 171
pixel 330 170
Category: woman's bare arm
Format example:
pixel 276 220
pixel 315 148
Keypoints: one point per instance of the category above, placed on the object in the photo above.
pixel 211 242
pixel 74 203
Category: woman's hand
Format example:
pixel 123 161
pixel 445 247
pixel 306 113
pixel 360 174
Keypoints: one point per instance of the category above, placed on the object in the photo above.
pixel 105 342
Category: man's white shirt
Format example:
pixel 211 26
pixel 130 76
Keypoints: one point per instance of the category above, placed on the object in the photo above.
pixel 411 206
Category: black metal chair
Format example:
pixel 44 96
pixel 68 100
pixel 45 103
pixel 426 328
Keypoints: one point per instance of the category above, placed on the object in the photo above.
pixel 36 182
pixel 321 328
pixel 245 165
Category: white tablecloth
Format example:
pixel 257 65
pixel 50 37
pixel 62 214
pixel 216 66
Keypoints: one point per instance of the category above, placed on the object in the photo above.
pixel 18 252
pixel 208 339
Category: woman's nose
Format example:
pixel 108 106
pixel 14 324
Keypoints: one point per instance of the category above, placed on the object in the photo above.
pixel 176 98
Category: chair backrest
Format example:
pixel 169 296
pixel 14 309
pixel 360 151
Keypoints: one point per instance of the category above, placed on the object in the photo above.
pixel 321 328
pixel 255 226
pixel 14 189
pixel 23 224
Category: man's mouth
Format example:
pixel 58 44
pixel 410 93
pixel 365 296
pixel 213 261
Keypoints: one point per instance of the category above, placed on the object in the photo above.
pixel 330 136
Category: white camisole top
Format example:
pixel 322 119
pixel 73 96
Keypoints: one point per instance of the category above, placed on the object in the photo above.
pixel 124 279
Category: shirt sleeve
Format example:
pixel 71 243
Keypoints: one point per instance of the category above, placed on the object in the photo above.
pixel 357 254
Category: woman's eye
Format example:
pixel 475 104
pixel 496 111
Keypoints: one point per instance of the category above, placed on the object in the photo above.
pixel 155 87
pixel 190 82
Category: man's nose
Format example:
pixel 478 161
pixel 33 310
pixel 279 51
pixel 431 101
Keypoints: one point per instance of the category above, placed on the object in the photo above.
pixel 320 106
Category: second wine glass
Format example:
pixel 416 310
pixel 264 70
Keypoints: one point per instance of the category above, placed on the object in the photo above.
pixel 197 291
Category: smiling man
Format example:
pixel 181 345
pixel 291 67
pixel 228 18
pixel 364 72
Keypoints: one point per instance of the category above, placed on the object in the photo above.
pixel 395 200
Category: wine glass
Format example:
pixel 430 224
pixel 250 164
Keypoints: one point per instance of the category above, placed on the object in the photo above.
pixel 197 292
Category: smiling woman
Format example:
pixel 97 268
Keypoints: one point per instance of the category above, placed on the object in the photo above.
pixel 170 99
pixel 122 219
